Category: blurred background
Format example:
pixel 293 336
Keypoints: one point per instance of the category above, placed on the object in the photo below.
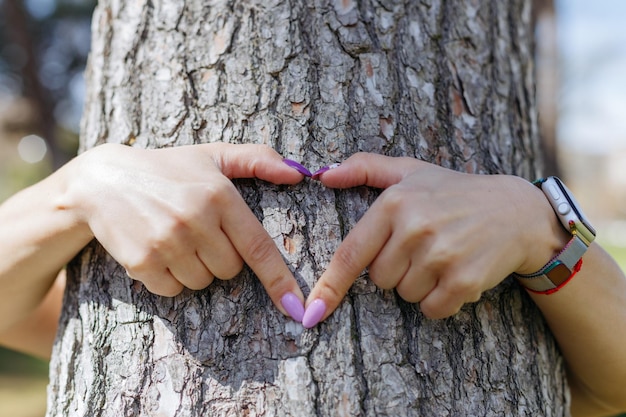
pixel 43 50
pixel 581 67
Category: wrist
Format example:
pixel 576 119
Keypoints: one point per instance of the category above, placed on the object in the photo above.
pixel 543 236
pixel 561 268
pixel 73 201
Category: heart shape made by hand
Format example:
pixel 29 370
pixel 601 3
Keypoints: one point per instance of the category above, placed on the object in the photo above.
pixel 304 171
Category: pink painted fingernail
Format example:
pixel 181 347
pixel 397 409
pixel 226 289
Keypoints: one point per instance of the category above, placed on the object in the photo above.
pixel 298 167
pixel 314 313
pixel 320 171
pixel 294 307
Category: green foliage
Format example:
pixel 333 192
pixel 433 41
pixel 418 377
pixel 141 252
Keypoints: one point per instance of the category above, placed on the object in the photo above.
pixel 17 175
pixel 14 363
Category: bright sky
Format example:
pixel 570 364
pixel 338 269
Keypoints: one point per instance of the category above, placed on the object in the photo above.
pixel 592 38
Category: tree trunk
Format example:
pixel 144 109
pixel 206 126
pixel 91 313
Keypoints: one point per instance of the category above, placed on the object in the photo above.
pixel 445 81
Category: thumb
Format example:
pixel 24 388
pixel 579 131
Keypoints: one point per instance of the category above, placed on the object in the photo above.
pixel 369 169
pixel 253 161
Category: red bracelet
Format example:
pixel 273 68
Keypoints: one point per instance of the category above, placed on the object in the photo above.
pixel 558 271
pixel 575 270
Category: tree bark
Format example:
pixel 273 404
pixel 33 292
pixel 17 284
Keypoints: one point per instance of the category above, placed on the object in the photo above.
pixel 445 81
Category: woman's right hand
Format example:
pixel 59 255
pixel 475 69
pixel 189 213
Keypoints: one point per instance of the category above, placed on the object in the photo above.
pixel 173 218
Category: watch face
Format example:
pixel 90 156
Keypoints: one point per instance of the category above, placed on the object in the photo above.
pixel 567 208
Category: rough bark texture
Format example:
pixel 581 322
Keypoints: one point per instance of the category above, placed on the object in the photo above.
pixel 446 81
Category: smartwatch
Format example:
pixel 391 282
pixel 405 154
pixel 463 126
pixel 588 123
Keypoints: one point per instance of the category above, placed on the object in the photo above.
pixel 560 269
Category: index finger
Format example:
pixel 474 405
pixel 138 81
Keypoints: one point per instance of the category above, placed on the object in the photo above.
pixel 355 253
pixel 259 251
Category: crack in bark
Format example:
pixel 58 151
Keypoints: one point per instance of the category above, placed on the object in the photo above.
pixel 358 363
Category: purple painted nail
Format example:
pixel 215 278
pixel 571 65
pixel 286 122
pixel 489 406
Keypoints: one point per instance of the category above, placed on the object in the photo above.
pixel 294 307
pixel 298 167
pixel 320 171
pixel 314 313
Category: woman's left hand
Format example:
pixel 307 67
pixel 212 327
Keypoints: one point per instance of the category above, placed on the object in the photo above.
pixel 438 236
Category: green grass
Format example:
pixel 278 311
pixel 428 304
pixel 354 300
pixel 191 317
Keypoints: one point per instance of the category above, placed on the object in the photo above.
pixel 23 382
pixel 23 396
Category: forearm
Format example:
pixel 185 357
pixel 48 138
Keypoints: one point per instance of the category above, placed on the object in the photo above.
pixel 39 234
pixel 504 224
pixel 171 217
pixel 35 334
pixel 588 319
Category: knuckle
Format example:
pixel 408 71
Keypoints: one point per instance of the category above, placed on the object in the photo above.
pixel 165 237
pixel 259 249
pixel 472 291
pixel 464 286
pixel 229 270
pixel 347 258
pixel 180 221
pixel 380 277
pixel 141 262
pixel 417 230
pixel 273 284
pixel 408 294
pixel 443 258
pixel 200 282
pixel 475 297
pixel 330 292
pixel 218 193
pixel 393 198
pixel 428 309
pixel 163 286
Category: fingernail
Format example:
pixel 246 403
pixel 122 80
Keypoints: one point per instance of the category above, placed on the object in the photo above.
pixel 314 313
pixel 320 171
pixel 293 306
pixel 298 167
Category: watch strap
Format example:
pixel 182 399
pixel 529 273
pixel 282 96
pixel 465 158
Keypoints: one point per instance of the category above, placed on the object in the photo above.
pixel 558 271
